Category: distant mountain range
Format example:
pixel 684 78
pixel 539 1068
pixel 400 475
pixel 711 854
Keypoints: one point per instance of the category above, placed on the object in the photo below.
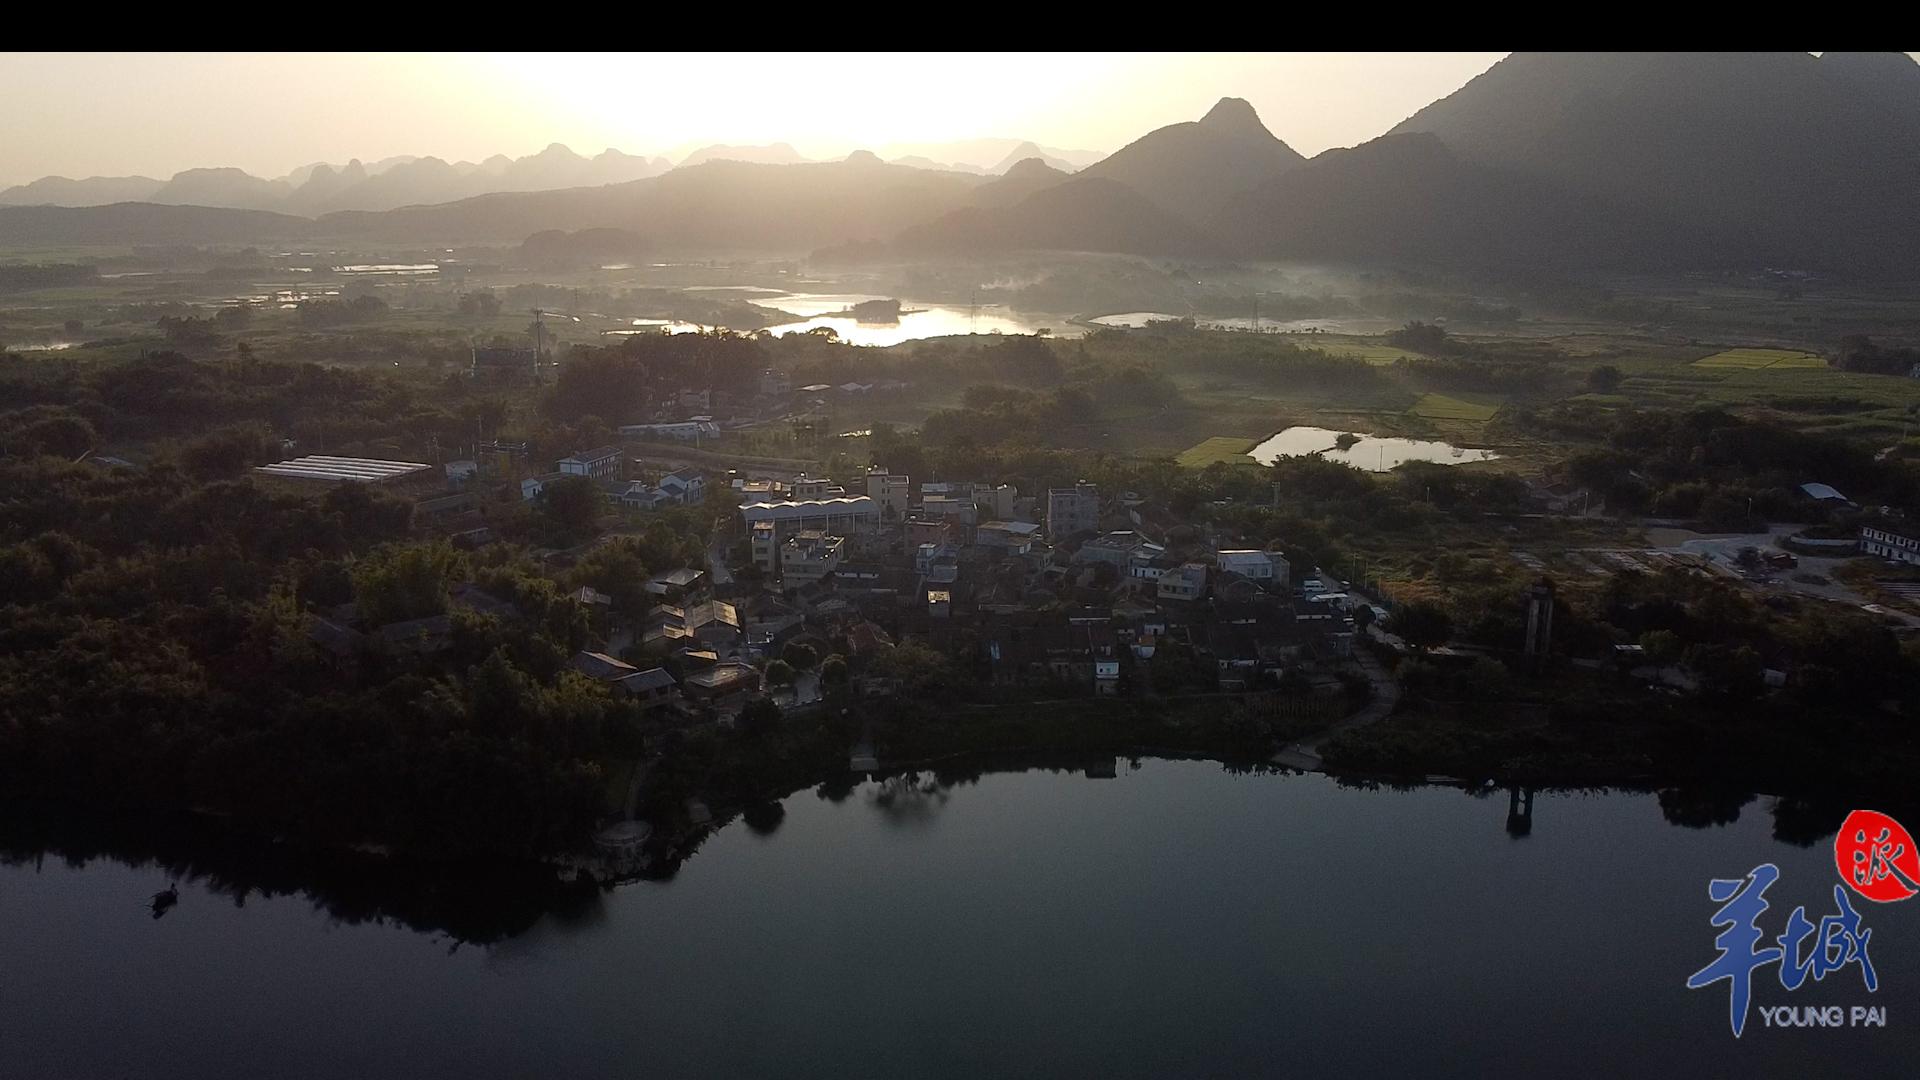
pixel 320 187
pixel 1560 160
pixel 391 183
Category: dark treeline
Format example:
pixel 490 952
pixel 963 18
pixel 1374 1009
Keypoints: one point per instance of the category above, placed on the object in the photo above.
pixel 619 384
pixel 1861 353
pixel 156 643
pixel 21 277
pixel 156 651
pixel 1707 463
pixel 478 902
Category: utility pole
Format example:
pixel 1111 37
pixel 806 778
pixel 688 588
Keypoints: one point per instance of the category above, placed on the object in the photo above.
pixel 539 342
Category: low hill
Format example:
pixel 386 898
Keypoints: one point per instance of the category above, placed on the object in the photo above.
pixel 721 203
pixel 93 191
pixel 232 188
pixel 587 247
pixel 145 223
pixel 1027 151
pixel 1079 214
pixel 776 154
pixel 1023 179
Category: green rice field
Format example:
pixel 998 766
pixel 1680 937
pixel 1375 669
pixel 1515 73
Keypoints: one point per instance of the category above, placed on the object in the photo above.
pixel 1218 448
pixel 1444 407
pixel 1756 359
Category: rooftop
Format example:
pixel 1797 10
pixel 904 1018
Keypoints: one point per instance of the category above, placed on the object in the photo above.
pixel 598 453
pixel 643 681
pixel 324 467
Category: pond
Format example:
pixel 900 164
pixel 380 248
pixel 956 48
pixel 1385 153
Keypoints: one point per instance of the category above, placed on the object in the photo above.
pixel 1169 918
pixel 655 326
pixel 917 320
pixel 1373 453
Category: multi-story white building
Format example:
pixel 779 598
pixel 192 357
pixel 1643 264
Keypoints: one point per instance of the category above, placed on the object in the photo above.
pixel 766 547
pixel 1072 510
pixel 1902 546
pixel 996 503
pixel 889 491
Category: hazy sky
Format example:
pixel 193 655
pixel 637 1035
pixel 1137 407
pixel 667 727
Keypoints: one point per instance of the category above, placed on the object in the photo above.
pixel 153 114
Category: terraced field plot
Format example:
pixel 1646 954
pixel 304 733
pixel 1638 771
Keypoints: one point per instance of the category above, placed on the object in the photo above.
pixel 1755 359
pixel 1443 407
pixel 1219 448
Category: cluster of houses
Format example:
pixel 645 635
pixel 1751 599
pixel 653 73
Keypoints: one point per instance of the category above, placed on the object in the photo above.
pixel 1054 587
pixel 605 466
pixel 1071 587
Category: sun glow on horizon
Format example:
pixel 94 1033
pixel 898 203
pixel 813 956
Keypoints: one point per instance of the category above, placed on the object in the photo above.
pixel 155 114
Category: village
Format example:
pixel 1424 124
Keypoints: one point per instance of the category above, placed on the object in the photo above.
pixel 1053 593
pixel 1062 592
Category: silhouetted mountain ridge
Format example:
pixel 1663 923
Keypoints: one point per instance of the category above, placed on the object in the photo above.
pixel 1788 158
pixel 1617 161
pixel 1192 169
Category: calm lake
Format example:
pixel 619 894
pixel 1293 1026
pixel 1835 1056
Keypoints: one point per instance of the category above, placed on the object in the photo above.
pixel 1373 453
pixel 1176 920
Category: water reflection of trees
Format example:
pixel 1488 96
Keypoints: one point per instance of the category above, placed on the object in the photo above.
pixel 1702 807
pixel 1806 820
pixel 764 818
pixel 1802 820
pixel 469 903
pixel 909 798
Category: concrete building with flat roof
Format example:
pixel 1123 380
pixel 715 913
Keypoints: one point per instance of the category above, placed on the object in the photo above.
pixel 809 556
pixel 1072 510
pixel 1187 582
pixel 1012 537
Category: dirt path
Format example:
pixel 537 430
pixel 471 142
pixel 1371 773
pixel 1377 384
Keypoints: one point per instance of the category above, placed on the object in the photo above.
pixel 1305 755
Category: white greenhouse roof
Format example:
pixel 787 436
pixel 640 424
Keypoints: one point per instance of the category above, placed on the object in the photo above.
pixel 324 467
